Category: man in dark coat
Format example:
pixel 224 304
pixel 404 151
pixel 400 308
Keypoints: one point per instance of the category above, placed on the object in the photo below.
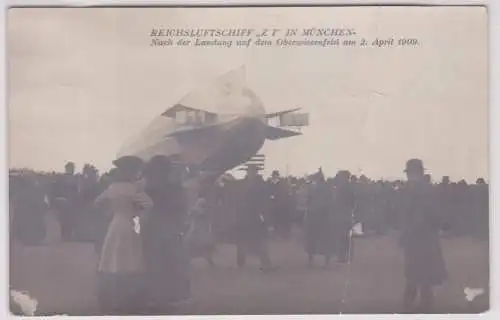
pixel 421 222
pixel 251 231
pixel 320 235
pixel 88 218
pixel 343 214
pixel 64 200
pixel 280 205
pixel 28 210
pixel 445 198
pixel 225 209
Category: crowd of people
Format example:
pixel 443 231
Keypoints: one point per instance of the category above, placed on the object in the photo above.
pixel 147 224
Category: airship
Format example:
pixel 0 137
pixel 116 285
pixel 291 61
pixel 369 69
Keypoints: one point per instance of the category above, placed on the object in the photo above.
pixel 213 128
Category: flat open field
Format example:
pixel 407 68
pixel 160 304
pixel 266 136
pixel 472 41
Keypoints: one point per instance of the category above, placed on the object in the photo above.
pixel 62 278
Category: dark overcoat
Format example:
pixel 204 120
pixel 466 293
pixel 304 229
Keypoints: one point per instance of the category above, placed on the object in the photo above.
pixel 421 223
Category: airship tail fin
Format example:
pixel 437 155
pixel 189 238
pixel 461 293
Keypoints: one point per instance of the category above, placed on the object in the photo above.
pixel 273 133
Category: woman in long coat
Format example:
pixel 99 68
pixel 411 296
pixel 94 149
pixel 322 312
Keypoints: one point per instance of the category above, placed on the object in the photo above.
pixel 121 261
pixel 165 253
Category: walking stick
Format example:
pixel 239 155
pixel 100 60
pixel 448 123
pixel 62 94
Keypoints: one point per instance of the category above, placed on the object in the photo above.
pixel 349 260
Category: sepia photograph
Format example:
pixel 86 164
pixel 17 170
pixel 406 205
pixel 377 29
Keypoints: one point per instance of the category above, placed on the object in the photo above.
pixel 248 160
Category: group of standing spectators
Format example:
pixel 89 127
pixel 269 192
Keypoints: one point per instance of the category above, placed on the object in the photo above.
pixel 146 226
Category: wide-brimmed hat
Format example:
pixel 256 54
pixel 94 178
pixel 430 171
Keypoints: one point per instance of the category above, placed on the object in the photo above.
pixel 414 165
pixel 128 163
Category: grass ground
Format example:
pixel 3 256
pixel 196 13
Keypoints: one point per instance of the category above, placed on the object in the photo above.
pixel 62 278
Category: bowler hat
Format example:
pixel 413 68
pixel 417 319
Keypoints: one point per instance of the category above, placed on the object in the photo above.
pixel 414 165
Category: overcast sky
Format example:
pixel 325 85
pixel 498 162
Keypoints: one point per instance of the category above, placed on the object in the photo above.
pixel 82 81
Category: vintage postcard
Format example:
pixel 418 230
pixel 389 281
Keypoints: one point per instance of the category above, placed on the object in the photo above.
pixel 248 160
